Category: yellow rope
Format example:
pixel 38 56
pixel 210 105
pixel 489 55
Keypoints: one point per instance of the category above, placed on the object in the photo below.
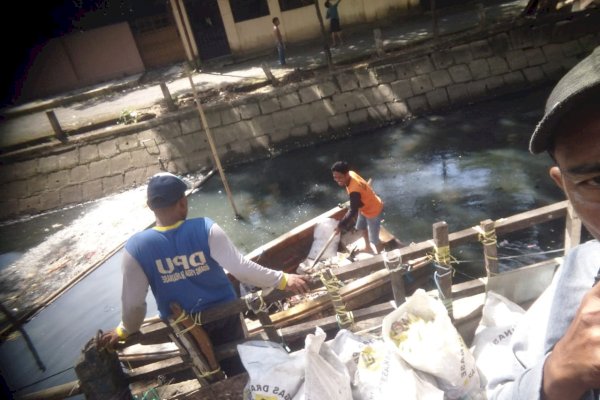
pixel 196 321
pixel 487 237
pixel 209 373
pixel 333 286
pixel 181 317
pixel 442 255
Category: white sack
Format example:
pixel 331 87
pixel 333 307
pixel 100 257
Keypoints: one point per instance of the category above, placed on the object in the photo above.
pixel 273 372
pixel 326 376
pixel 492 337
pixel 430 343
pixel 378 372
pixel 323 232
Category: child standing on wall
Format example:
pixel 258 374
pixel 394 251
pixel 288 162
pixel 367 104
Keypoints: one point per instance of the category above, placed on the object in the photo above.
pixel 279 41
pixel 334 22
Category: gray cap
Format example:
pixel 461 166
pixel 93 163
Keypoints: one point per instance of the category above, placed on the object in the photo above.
pixel 580 85
pixel 164 190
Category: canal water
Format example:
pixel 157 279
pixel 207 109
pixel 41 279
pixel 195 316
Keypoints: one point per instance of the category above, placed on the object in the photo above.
pixel 462 167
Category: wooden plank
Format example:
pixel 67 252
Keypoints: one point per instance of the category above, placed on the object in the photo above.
pixel 393 263
pixel 154 333
pixel 299 331
pixel 515 222
pixel 490 248
pixel 443 273
pixel 152 370
pixel 351 291
pixel 199 342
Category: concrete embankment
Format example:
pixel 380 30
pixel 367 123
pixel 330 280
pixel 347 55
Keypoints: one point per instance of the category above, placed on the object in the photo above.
pixel 428 77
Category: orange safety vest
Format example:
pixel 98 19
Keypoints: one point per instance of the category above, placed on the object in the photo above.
pixel 372 204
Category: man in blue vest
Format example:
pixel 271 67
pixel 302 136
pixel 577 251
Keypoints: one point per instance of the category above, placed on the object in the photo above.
pixel 183 260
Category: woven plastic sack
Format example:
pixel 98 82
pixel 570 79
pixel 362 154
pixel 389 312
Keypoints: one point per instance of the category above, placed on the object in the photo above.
pixel 274 374
pixel 421 332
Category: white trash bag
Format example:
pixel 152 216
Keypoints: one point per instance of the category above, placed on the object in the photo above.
pixel 421 332
pixel 323 231
pixel 493 334
pixel 326 376
pixel 273 372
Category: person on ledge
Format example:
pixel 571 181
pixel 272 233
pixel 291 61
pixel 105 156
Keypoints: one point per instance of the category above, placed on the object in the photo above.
pixel 183 260
pixel 365 205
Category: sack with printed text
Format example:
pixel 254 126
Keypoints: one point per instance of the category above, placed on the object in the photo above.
pixel 379 373
pixel 273 373
pixel 493 334
pixel 421 332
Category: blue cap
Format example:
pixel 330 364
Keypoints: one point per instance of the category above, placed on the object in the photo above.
pixel 164 190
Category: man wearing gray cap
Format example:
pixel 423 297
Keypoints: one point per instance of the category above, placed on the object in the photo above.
pixel 556 347
pixel 183 260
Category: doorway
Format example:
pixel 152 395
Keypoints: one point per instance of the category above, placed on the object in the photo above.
pixel 207 28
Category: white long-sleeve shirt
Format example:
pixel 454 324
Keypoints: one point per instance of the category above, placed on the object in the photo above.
pixel 543 325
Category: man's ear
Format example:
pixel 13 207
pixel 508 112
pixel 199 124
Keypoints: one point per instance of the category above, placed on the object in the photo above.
pixel 556 176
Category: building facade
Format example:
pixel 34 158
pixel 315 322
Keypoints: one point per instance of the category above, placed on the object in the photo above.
pixel 103 43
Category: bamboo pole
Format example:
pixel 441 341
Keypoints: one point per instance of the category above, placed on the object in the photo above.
pixel 181 28
pixel 193 56
pixel 213 148
pixel 192 53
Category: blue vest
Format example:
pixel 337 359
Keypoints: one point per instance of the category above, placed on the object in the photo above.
pixel 179 267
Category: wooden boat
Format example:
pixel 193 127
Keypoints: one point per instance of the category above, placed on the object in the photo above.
pixel 153 354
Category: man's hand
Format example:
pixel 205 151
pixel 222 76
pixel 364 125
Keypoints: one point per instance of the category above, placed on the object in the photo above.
pixel 109 339
pixel 573 367
pixel 297 283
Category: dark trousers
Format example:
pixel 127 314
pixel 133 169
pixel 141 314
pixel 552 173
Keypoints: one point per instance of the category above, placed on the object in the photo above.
pixel 224 331
pixel 281 53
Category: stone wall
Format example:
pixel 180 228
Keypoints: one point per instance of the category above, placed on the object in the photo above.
pixel 447 73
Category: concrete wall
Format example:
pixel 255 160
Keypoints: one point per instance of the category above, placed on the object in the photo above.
pixel 428 78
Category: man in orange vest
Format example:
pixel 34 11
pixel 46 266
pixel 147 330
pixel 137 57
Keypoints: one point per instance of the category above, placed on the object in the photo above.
pixel 364 204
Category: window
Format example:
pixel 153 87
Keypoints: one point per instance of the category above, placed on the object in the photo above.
pixel 244 10
pixel 286 5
